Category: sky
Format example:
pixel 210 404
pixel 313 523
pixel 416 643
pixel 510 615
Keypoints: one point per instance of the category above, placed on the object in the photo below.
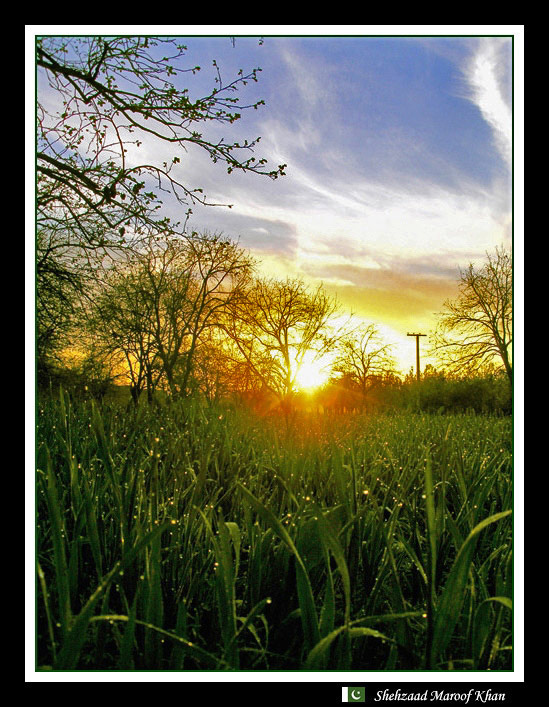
pixel 398 153
pixel 399 163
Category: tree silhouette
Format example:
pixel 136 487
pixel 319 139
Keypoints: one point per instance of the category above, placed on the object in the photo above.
pixel 476 329
pixel 362 358
pixel 101 96
pixel 274 324
pixel 158 305
pixel 101 99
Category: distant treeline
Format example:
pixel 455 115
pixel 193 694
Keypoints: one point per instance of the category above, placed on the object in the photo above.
pixel 435 393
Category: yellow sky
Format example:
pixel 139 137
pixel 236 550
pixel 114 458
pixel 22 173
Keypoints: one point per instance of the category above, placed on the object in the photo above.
pixel 397 303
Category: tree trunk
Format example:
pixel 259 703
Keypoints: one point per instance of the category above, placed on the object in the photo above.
pixel 135 392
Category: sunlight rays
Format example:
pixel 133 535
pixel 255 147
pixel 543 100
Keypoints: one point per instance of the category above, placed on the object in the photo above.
pixel 313 372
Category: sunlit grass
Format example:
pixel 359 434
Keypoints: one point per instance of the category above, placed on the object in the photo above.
pixel 204 538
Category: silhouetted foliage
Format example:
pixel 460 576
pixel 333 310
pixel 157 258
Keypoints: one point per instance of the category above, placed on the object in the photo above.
pixel 153 311
pixel 476 329
pixel 99 100
pixel 440 392
pixel 274 324
pixel 363 360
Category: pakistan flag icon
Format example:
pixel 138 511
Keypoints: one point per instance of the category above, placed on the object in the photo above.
pixel 356 694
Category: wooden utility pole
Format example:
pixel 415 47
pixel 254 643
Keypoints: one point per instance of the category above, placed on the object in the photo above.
pixel 417 353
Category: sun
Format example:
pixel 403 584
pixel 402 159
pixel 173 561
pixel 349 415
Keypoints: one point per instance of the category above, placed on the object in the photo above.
pixel 312 373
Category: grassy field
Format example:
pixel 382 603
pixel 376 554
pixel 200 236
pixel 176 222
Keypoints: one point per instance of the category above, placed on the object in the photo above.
pixel 188 538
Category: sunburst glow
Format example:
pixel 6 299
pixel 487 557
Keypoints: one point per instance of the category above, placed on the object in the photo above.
pixel 313 372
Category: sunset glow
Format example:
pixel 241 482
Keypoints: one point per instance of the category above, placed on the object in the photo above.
pixel 313 372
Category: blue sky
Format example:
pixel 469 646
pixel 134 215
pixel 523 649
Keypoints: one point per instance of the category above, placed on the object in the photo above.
pixel 399 165
pixel 398 152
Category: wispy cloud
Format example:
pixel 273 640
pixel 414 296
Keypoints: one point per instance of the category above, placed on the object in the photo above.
pixel 306 81
pixel 487 76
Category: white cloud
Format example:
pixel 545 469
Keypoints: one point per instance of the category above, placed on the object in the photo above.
pixel 488 79
pixel 362 216
pixel 306 80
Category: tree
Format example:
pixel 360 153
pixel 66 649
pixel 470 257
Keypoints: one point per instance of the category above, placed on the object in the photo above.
pixel 476 330
pixel 191 284
pixel 161 303
pixel 65 273
pixel 216 374
pixel 99 100
pixel 274 324
pixel 119 319
pixel 54 307
pixel 363 359
pixel 101 96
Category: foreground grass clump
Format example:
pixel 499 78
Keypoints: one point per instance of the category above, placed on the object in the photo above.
pixel 183 537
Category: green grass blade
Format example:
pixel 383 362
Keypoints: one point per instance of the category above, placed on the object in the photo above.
pixel 59 552
pixel 318 656
pixel 154 606
pixel 44 589
pixel 193 651
pixel 330 540
pixel 451 599
pixel 309 616
pixel 91 527
pixel 225 582
pixel 67 658
pixel 178 653
pixel 483 627
pixel 125 660
pixel 234 532
pixel 430 514
pixel 328 609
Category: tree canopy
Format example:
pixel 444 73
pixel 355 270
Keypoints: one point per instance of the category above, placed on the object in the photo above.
pixel 274 324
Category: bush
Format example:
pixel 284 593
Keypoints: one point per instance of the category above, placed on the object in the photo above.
pixel 483 395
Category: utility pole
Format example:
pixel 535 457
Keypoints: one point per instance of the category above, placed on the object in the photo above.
pixel 417 353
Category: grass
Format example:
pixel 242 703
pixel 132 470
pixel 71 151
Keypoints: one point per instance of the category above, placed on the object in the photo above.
pixel 185 537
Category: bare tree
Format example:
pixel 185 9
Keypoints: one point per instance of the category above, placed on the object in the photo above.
pixel 476 329
pixel 363 359
pixel 120 319
pixel 274 324
pixel 158 306
pixel 191 283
